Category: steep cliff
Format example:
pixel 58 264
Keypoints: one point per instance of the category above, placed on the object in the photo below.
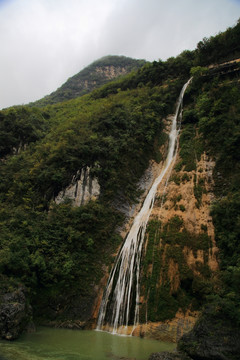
pixel 179 266
pixel 83 188
pixel 180 251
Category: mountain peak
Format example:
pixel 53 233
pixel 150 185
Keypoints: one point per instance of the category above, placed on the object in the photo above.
pixel 91 77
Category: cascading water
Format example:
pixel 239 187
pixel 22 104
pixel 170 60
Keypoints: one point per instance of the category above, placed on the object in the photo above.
pixel 122 291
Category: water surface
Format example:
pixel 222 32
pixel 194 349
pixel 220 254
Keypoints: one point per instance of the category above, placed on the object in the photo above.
pixel 62 344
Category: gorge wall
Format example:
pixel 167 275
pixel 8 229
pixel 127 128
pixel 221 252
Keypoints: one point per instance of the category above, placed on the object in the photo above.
pixel 179 260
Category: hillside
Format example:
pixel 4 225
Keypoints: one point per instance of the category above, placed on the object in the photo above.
pixel 102 151
pixel 92 77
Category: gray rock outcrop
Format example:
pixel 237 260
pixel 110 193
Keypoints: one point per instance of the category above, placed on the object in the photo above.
pixel 82 189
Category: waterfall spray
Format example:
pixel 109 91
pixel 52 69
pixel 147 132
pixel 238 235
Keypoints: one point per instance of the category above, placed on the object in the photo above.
pixel 122 290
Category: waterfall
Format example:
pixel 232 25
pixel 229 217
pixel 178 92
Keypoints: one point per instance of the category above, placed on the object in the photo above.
pixel 122 293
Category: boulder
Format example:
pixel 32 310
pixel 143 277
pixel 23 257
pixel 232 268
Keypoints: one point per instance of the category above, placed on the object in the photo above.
pixel 15 313
pixel 214 337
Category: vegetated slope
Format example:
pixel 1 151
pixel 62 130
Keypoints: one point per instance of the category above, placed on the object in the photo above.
pixel 212 116
pixel 220 48
pixel 115 130
pixel 51 248
pixel 91 77
pixel 180 253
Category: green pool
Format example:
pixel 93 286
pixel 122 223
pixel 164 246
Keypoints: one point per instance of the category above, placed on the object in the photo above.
pixel 62 344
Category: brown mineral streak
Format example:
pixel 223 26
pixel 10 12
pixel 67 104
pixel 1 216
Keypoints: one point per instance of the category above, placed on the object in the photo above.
pixel 193 217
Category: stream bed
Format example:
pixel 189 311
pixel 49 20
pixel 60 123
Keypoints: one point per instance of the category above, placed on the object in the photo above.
pixel 62 344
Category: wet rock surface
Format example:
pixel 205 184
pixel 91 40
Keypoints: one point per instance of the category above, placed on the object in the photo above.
pixel 15 313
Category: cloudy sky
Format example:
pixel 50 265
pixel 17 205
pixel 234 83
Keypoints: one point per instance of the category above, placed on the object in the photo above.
pixel 44 42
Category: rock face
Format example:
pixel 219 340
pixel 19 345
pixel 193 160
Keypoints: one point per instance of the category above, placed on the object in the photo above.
pixel 111 72
pixel 179 198
pixel 175 262
pixel 180 255
pixel 131 210
pixel 214 337
pixel 15 314
pixel 82 189
pixel 170 330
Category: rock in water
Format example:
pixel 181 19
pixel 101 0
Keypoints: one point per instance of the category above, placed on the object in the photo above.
pixel 15 313
pixel 167 356
pixel 214 337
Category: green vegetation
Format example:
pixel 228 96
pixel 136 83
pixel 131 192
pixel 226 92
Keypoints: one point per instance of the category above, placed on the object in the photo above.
pixel 191 146
pixel 176 179
pixel 165 246
pixel 185 178
pixel 116 130
pixel 210 123
pixel 214 103
pixel 222 47
pixel 51 248
pixel 21 126
pixel 182 207
pixel 199 190
pixel 91 77
pixel 58 248
pixel 115 136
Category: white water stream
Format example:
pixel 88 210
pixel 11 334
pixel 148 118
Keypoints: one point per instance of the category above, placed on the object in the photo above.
pixel 123 282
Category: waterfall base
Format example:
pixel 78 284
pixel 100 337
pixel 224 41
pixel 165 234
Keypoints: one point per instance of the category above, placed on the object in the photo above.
pixel 169 331
pixel 121 330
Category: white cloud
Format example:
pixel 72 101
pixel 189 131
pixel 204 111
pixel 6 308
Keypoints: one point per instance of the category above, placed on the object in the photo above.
pixel 43 42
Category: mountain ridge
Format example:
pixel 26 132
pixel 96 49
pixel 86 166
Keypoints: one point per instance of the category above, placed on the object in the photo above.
pixel 91 77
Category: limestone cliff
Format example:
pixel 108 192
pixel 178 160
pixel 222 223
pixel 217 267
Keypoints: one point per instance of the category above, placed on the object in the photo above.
pixel 180 257
pixel 180 253
pixel 82 189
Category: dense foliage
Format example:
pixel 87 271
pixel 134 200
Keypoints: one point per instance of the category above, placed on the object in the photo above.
pixel 20 126
pixel 115 136
pixel 223 47
pixel 56 248
pixel 165 244
pixel 52 248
